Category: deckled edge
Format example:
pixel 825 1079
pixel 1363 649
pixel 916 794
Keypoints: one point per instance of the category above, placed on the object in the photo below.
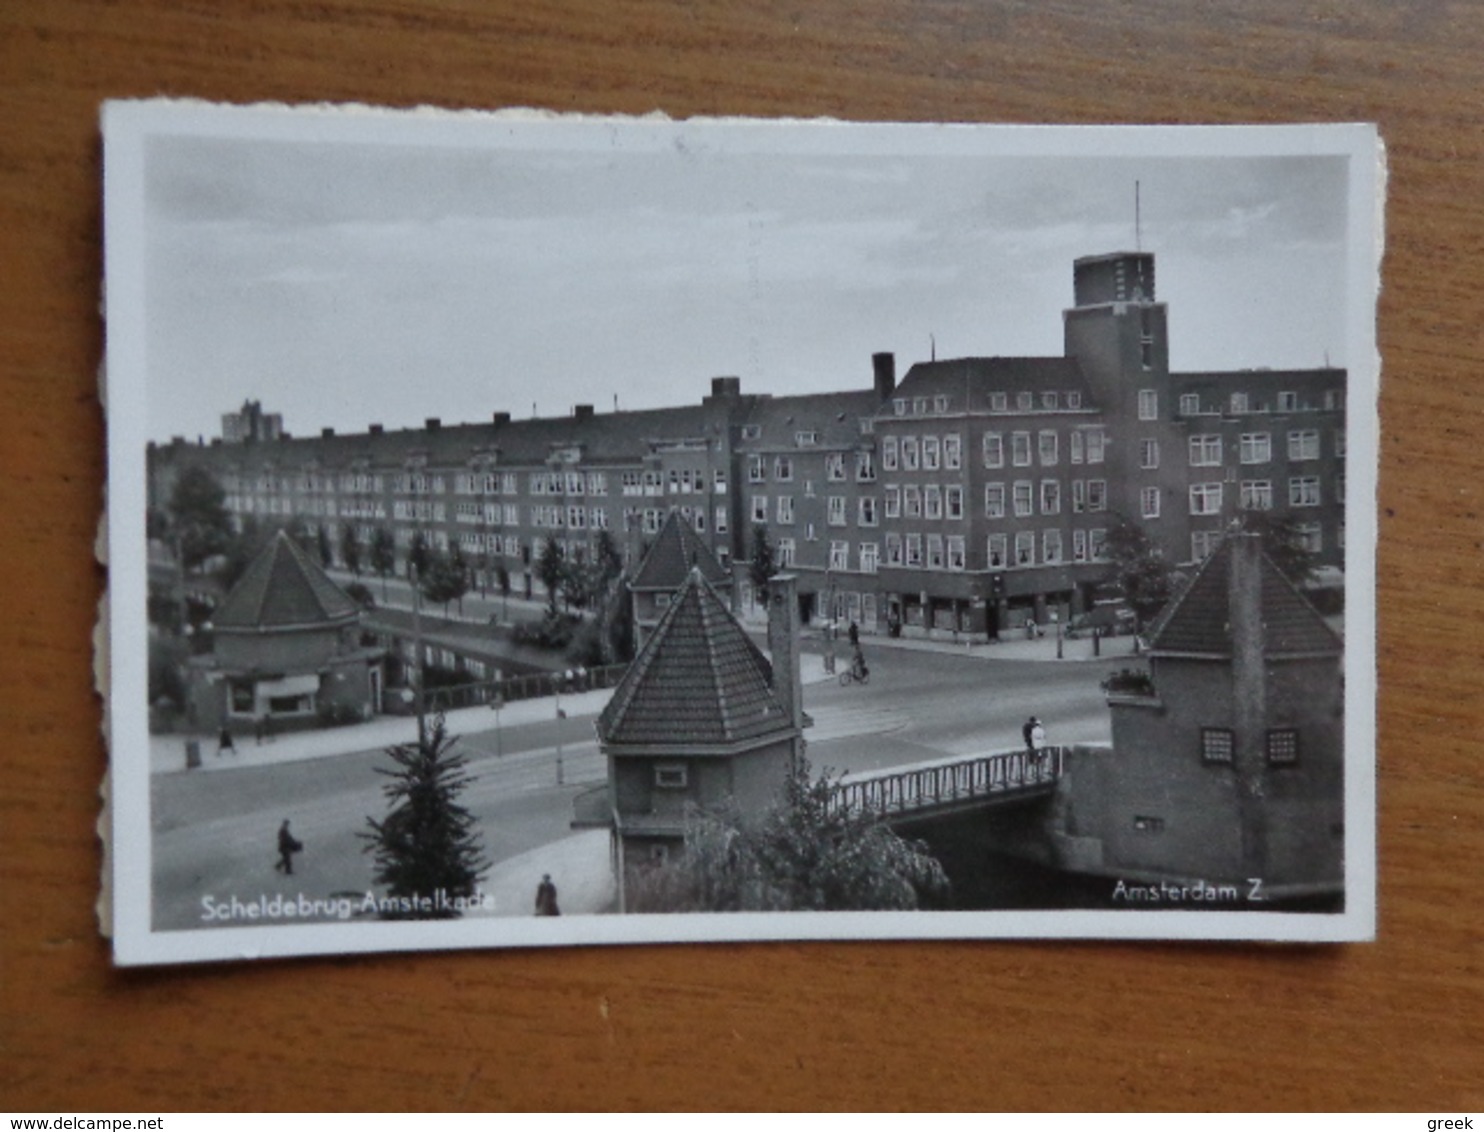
pixel 101 659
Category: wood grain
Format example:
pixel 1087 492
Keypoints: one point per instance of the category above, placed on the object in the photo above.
pixel 1398 1024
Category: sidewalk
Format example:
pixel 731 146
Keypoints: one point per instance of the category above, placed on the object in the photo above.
pixel 167 752
pixel 581 867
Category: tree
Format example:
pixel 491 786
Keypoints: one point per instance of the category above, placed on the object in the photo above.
pixel 1284 543
pixel 198 517
pixel 805 853
pixel 551 568
pixel 444 578
pixel 761 568
pixel 417 554
pixel 1146 578
pixel 350 549
pixel 383 555
pixel 428 851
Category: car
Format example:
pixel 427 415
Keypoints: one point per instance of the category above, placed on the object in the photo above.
pixel 1112 620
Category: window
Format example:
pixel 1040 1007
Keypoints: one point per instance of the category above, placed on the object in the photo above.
pixel 935 558
pixel 783 468
pixel 955 552
pixel 953 451
pixel 893 550
pixel 1303 444
pixel 919 406
pixel 1020 449
pixel 932 501
pixel 953 501
pixel 1024 497
pixel 1079 496
pixel 1079 546
pixel 1050 497
pixel 1205 451
pixel 1077 442
pixel 1148 453
pixel 808 489
pixel 1074 400
pixel 1303 491
pixel 720 486
pixel 1097 495
pixel 836 514
pixel 999 402
pixel 1283 747
pixel 1203 544
pixel 752 432
pixel 931 453
pixel 1205 499
pixel 1218 745
pixel 1340 443
pixel 1097 444
pixel 1148 405
pixel 755 473
pixel 759 508
pixel 1257 495
pixel 1048 400
pixel 912 501
pixel 1144 823
pixel 834 467
pixel 909 454
pixel 994 500
pixel 1190 404
pixel 1331 398
pixel 1149 503
pixel 869 557
pixel 893 500
pixel 865 466
pixel 1025 548
pixel 1310 536
pixel 670 776
pixel 1097 543
pixel 994 450
pixel 1047 447
pixel 899 406
pixel 914 550
pixel 866 511
pixel 785 553
pixel 806 438
pixel 785 509
pixel 1340 488
pixel 1255 447
pixel 940 403
pixel 839 555
pixel 889 453
pixel 1024 402
pixel 1288 402
pixel 1051 547
pixel 996 548
pixel 721 520
pixel 1238 403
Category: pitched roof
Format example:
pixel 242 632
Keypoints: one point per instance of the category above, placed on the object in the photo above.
pixel 675 551
pixel 698 681
pixel 775 422
pixel 283 588
pixel 1198 619
pixel 974 379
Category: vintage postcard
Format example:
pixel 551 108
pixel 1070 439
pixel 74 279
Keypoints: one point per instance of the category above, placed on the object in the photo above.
pixel 529 530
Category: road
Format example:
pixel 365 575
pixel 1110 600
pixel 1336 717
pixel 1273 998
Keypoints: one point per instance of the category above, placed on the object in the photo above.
pixel 215 833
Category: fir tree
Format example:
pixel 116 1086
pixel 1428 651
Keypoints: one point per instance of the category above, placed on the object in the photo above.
pixel 428 844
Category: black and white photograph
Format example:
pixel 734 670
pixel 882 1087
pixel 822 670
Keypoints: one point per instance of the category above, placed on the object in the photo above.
pixel 532 530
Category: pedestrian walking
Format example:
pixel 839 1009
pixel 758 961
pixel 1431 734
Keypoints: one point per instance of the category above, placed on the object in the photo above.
pixel 288 845
pixel 546 897
pixel 854 633
pixel 224 743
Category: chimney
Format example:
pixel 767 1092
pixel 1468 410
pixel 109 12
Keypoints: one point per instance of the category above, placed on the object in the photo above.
pixel 502 418
pixel 327 433
pixel 783 645
pixel 726 386
pixel 432 424
pixel 582 412
pixel 1249 693
pixel 884 367
pixel 375 430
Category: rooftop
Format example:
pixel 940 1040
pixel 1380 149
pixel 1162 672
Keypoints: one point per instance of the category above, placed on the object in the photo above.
pixel 676 550
pixel 283 588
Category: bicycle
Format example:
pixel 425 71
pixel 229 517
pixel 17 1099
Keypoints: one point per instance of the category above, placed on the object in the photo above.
pixel 857 673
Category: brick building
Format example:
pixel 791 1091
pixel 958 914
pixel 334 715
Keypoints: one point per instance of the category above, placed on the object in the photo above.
pixel 973 497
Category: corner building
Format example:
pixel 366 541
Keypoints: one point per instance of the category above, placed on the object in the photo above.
pixel 971 498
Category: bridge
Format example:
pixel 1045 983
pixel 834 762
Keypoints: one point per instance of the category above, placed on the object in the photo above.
pixel 931 791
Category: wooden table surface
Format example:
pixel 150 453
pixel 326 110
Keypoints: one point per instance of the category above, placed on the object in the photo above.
pixel 1396 1024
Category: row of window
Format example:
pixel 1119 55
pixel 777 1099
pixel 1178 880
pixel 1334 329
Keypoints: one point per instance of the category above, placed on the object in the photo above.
pixel 916 550
pixel 999 402
pixel 1241 402
pixel 834 466
pixel 1254 495
pixel 1206 451
pixel 1280 746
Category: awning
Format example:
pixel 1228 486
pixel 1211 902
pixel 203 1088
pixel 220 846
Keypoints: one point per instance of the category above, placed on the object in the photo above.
pixel 289 686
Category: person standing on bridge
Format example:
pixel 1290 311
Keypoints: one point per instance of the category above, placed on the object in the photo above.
pixel 546 897
pixel 288 845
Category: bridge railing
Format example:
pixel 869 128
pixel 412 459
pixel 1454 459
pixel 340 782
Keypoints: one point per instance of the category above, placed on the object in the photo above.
pixel 921 788
pixel 512 688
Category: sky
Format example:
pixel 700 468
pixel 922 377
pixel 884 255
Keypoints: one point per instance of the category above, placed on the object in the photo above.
pixel 347 274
